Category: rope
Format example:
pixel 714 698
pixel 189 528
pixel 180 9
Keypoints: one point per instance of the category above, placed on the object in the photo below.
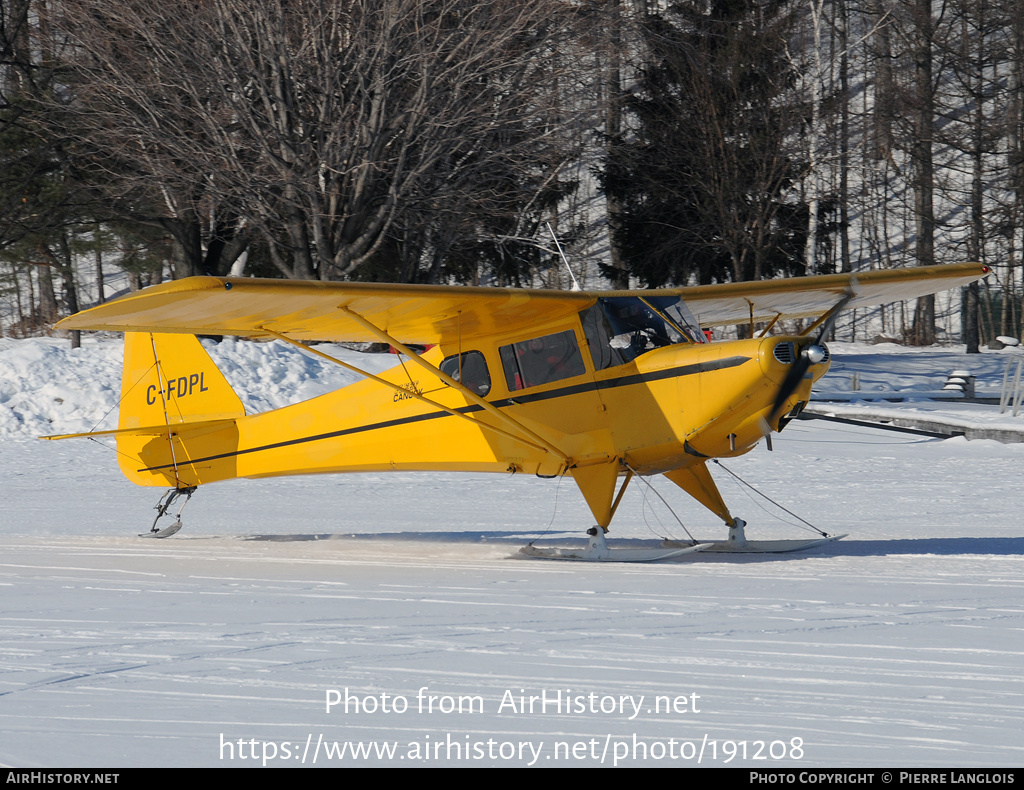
pixel 666 504
pixel 765 496
pixel 124 395
pixel 554 510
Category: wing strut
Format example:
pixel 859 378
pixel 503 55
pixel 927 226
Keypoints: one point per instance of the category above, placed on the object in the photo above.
pixel 413 393
pixel 162 379
pixel 829 316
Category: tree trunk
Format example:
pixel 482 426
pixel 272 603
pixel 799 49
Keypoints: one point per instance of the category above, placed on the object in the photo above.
pixel 844 138
pixel 923 333
pixel 884 106
pixel 47 297
pixel 975 62
pixel 612 81
pixel 98 240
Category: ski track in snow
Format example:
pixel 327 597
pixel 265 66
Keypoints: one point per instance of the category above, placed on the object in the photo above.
pixel 901 645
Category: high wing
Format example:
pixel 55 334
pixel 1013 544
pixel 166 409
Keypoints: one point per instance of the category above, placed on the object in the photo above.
pixel 810 297
pixel 340 311
pixel 311 310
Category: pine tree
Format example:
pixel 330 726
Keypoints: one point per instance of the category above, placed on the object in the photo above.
pixel 706 178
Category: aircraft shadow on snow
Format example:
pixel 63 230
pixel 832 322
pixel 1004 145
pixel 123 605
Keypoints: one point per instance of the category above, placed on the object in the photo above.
pixel 961 546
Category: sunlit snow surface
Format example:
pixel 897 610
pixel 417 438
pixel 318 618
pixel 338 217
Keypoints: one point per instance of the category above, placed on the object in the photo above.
pixel 901 645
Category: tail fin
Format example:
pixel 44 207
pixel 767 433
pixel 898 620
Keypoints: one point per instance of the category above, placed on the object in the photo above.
pixel 169 379
pixel 170 383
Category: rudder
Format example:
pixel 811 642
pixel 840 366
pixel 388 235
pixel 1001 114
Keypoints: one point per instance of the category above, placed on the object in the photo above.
pixel 170 380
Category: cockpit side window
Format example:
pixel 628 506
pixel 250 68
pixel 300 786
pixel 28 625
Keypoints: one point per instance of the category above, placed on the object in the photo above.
pixel 541 360
pixel 599 335
pixel 470 369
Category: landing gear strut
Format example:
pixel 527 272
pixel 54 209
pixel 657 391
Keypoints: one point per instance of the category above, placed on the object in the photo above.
pixel 163 506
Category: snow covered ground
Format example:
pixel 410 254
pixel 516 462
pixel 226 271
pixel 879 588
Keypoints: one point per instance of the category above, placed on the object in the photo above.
pixel 901 645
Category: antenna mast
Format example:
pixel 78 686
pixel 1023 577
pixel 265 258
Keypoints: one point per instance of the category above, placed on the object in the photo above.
pixel 575 284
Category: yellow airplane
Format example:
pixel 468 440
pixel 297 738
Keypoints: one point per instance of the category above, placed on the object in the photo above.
pixel 600 386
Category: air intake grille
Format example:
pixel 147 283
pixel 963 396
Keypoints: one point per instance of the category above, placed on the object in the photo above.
pixel 784 353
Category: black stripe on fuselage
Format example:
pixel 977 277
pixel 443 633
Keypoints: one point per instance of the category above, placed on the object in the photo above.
pixel 589 386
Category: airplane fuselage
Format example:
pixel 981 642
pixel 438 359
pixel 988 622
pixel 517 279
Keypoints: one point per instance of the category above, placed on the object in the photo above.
pixel 668 408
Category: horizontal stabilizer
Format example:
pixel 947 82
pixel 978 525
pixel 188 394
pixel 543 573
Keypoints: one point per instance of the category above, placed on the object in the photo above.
pixel 191 428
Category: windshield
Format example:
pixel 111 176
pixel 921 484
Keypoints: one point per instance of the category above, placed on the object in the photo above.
pixel 621 328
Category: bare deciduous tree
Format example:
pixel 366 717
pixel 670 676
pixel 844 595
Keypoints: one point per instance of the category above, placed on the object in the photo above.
pixel 320 123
